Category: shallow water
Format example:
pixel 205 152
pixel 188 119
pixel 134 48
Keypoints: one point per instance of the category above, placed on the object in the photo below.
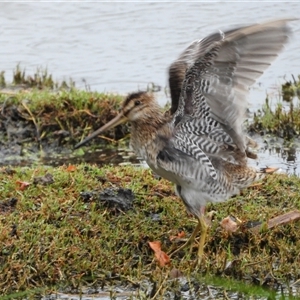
pixel 188 290
pixel 121 47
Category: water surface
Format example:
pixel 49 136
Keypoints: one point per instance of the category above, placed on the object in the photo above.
pixel 122 47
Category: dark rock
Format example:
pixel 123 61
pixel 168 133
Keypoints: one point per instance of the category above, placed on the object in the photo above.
pixel 120 198
pixel 14 231
pixel 87 196
pixel 114 198
pixel 185 287
pixel 44 180
pixel 155 217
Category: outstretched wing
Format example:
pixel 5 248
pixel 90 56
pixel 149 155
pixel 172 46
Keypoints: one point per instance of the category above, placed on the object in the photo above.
pixel 215 88
pixel 213 97
pixel 186 59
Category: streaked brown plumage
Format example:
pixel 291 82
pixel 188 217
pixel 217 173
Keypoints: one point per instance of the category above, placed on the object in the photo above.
pixel 199 145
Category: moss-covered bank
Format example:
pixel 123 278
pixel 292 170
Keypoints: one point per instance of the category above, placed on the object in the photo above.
pixel 53 236
pixel 41 118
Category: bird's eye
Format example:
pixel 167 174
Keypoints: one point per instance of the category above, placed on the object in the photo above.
pixel 137 102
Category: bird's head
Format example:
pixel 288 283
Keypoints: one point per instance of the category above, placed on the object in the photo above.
pixel 136 107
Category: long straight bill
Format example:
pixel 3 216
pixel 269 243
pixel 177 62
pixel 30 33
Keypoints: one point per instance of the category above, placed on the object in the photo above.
pixel 119 119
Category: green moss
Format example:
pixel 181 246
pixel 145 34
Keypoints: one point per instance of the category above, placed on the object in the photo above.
pixel 55 237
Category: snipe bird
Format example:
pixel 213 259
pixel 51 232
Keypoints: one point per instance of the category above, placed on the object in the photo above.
pixel 199 144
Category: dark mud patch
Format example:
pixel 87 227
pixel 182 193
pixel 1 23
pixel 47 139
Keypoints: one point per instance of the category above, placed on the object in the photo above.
pixel 8 205
pixel 116 199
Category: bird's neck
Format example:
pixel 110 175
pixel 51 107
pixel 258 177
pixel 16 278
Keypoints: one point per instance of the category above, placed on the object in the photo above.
pixel 145 130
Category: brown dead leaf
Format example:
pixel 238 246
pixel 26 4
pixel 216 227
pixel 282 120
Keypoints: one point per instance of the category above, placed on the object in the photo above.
pixel 71 168
pixel 161 256
pixel 22 184
pixel 229 225
pixel 180 235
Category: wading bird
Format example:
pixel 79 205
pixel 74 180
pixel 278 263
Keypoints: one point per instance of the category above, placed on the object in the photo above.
pixel 199 144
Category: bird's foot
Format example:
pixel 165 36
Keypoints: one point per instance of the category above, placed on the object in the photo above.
pixel 190 241
pixel 187 243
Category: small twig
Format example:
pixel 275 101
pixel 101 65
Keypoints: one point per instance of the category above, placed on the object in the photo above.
pixel 296 282
pixel 108 139
pixel 225 295
pixel 123 138
pixel 4 104
pixel 33 120
pixel 159 194
pixel 87 112
pixel 59 123
pixel 254 263
pixel 160 287
pixel 286 218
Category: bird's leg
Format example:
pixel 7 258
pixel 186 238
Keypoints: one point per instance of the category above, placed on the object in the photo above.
pixel 190 240
pixel 204 227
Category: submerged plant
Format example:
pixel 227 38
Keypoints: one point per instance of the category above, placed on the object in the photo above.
pixel 291 89
pixel 40 79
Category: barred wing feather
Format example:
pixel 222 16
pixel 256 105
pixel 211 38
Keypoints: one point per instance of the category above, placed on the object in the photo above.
pixel 212 77
pixel 213 97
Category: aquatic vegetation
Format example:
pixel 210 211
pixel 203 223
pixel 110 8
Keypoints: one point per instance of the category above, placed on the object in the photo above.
pixel 282 120
pixel 291 89
pixel 40 79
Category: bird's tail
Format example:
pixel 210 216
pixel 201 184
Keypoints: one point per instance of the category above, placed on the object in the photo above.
pixel 268 170
pixel 263 172
pixel 245 177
